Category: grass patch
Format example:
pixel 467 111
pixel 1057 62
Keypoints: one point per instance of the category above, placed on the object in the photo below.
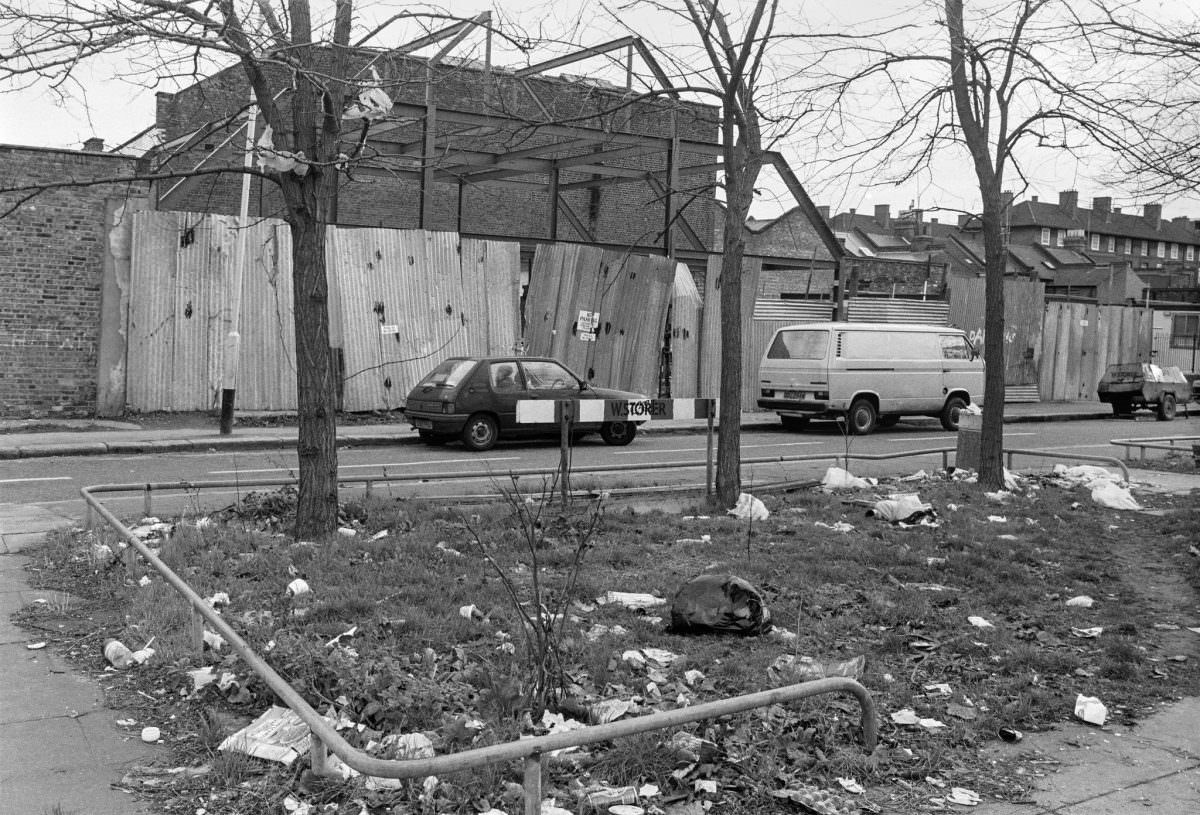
pixel 414 663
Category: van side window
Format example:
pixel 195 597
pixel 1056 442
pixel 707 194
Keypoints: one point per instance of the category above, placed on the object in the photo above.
pixel 799 344
pixel 955 347
pixel 888 345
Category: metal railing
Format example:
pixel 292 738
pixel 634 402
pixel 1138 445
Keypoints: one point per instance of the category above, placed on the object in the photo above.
pixel 326 739
pixel 1155 443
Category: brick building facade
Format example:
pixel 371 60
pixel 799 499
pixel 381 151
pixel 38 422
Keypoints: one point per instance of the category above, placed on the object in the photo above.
pixel 51 263
pixel 386 194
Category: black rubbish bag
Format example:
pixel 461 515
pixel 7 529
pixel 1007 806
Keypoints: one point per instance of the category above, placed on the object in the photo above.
pixel 719 604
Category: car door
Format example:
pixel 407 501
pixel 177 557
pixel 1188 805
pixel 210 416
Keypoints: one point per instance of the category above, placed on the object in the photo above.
pixel 507 385
pixel 547 379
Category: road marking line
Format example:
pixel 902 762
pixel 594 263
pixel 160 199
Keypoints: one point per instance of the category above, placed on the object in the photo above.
pixel 437 463
pixel 703 449
pixel 43 478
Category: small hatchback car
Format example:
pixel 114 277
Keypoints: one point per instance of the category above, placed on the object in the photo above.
pixel 475 400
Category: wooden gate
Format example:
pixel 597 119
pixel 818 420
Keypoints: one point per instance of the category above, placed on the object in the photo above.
pixel 1080 340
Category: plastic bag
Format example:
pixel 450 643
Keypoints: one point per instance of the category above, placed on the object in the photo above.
pixel 749 507
pixel 719 604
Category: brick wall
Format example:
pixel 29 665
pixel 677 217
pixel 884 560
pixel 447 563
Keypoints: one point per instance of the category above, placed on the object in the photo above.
pixel 624 214
pixel 51 263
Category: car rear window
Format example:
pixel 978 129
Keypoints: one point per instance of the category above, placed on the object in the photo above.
pixel 800 344
pixel 449 374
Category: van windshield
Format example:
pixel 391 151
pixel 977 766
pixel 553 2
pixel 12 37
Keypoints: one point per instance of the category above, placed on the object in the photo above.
pixel 799 344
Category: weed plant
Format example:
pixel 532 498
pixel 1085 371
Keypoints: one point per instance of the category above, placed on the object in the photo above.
pixel 380 640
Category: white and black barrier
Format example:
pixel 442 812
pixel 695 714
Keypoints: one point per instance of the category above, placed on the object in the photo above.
pixel 544 411
pixel 565 412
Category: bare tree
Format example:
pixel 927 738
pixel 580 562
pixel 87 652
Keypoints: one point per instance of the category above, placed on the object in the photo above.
pixel 1018 74
pixel 306 77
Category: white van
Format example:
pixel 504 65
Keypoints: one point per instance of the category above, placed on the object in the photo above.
pixel 870 373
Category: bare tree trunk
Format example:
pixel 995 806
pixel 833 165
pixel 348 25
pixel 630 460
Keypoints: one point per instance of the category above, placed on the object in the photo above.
pixel 729 442
pixel 991 436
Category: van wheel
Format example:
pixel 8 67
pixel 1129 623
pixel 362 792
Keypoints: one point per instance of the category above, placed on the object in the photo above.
pixel 1166 407
pixel 480 432
pixel 861 417
pixel 794 422
pixel 618 434
pixel 954 406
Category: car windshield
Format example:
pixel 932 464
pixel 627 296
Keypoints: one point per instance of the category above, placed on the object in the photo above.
pixel 449 374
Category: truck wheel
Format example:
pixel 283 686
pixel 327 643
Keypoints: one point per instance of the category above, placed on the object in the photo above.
pixel 480 433
pixel 861 417
pixel 618 434
pixel 954 406
pixel 1166 407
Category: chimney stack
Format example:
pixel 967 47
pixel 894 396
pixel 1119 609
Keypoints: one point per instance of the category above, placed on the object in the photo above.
pixel 94 145
pixel 883 215
pixel 1006 198
pixel 1153 214
pixel 1102 208
pixel 1068 200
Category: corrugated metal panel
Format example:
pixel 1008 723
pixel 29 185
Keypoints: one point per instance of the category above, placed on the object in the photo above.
pixel 896 310
pixel 686 305
pixel 793 311
pixel 409 299
pixel 631 295
pixel 266 378
pixel 710 336
pixel 151 340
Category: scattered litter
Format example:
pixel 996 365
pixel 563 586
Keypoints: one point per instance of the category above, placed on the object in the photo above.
pixel 347 532
pixel 706 785
pixel 1114 496
pixel 748 507
pixel 294 806
pixel 118 655
pixel 298 587
pixel 942 688
pixel 36 646
pixel 1006 537
pixel 217 600
pixel 1090 709
pixel 905 508
pixel 805 669
pixel 279 734
pixel 919 475
pixel 935 561
pixel 608 710
pixel 1194 630
pixel 1000 497
pixel 719 604
pixel 1010 734
pixel 550 807
pixel 372 102
pixel 631 600
pixel 634 659
pixel 142 655
pixel 660 656
pixel 964 712
pixel 979 622
pixel 1082 601
pixel 470 612
pixel 602 798
pixel 840 526
pixel 1087 633
pixel 556 723
pixel 1166 627
pixel 998 519
pixel 597 631
pixel 696 518
pixel 626 809
pixel 908 716
pixel 851 786
pixel 692 677
pixel 838 479
pixel 151 734
pixel 347 633
pixel 701 539
pixel 442 547
pixel 410 745
pixel 144 581
pixel 380 535
pixel 814 799
pixel 213 640
pixel 963 797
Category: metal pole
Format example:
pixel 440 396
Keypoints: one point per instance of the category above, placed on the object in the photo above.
pixel 533 784
pixel 233 339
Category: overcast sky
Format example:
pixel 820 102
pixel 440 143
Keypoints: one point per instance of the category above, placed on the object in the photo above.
pixel 112 104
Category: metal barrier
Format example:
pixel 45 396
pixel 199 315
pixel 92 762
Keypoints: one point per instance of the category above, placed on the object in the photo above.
pixel 326 739
pixel 1155 443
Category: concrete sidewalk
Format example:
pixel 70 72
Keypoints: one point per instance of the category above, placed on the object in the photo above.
pixel 62 747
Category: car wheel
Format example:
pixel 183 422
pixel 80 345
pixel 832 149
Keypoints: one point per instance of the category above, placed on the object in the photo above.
pixel 862 417
pixel 618 434
pixel 480 432
pixel 889 421
pixel 794 422
pixel 954 406
pixel 1166 407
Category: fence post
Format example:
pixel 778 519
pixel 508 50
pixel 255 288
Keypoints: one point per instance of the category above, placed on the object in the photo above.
pixel 533 784
pixel 708 467
pixel 147 509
